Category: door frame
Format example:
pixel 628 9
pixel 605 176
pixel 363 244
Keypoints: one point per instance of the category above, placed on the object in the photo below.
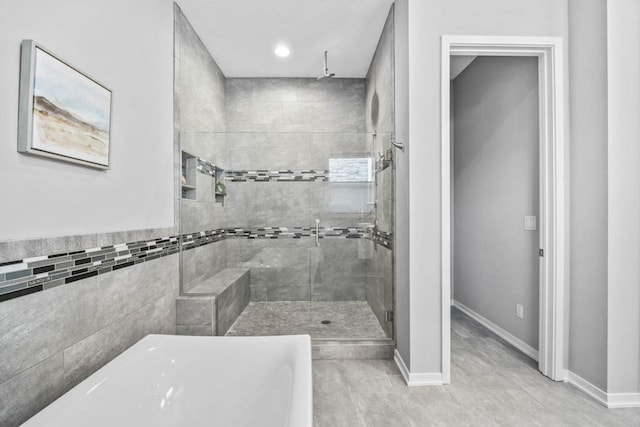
pixel 553 186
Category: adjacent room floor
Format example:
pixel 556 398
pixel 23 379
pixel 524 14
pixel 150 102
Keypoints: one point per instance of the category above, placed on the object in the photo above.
pixel 348 319
pixel 492 384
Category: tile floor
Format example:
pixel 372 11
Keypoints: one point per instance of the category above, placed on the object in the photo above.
pixel 349 319
pixel 492 385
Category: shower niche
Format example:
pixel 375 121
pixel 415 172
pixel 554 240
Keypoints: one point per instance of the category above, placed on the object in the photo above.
pixel 212 188
pixel 188 168
pixel 302 197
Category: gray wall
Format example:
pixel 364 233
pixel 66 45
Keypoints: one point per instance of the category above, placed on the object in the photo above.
pixel 419 291
pixel 495 110
pixel 623 167
pixel 297 124
pixel 202 262
pixel 379 117
pixel 52 340
pixel 588 120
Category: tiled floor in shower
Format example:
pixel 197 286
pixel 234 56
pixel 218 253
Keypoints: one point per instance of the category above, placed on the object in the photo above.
pixel 349 319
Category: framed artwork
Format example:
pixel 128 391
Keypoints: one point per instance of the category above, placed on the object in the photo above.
pixel 63 113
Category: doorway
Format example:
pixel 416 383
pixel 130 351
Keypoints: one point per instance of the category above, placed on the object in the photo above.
pixel 495 195
pixel 551 222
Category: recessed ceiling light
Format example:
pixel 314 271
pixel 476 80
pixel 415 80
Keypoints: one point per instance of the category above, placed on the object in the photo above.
pixel 282 51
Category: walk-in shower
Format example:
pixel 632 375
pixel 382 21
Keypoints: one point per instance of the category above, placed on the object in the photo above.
pixel 287 185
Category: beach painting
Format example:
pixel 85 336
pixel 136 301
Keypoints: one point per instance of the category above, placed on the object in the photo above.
pixel 68 115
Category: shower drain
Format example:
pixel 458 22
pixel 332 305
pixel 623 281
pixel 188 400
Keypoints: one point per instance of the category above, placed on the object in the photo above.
pixel 326 322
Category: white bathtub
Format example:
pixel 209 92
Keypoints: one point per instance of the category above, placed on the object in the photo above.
pixel 167 380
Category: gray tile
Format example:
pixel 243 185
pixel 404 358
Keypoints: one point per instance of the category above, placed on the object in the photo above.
pixel 107 239
pixel 366 384
pixel 210 146
pixel 334 408
pixel 306 114
pixel 65 244
pixel 239 89
pixel 491 385
pixel 200 83
pixel 361 350
pixel 195 311
pixel 277 291
pixel 340 117
pixel 379 409
pixel 13 250
pixel 27 393
pixel 202 263
pixel 37 326
pixel 350 319
pixel 127 290
pixel 244 113
pixel 274 89
pixel 232 301
pixel 88 355
pixel 197 330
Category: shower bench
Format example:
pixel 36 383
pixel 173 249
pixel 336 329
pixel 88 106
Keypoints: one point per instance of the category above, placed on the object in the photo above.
pixel 212 305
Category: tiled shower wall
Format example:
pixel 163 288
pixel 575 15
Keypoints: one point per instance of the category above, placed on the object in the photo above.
pixel 380 116
pixel 200 125
pixel 298 124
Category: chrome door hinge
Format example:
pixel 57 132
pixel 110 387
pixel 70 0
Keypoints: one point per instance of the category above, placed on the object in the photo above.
pixel 389 315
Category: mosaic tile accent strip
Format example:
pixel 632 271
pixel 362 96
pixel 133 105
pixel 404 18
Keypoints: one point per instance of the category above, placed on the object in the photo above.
pixel 23 277
pixel 31 275
pixel 192 241
pixel 264 175
pixel 382 238
pixel 296 232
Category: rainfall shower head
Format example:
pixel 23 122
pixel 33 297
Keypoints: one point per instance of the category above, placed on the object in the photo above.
pixel 325 70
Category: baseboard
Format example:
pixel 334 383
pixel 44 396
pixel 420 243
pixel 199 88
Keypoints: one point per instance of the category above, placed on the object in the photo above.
pixel 413 379
pixel 511 339
pixel 623 400
pixel 610 400
pixel 587 388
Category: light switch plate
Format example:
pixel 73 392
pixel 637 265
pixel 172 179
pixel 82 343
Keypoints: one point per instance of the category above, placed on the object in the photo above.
pixel 519 311
pixel 530 223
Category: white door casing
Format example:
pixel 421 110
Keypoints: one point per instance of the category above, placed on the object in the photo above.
pixel 548 50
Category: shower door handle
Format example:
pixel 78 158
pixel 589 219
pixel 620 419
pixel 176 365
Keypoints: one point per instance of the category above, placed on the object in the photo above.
pixel 317 232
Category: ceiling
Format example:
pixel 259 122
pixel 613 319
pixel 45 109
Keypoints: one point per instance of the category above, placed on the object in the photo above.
pixel 242 35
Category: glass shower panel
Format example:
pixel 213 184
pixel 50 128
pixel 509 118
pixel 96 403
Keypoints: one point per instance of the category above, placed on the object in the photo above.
pixel 201 207
pixel 340 257
pixel 380 126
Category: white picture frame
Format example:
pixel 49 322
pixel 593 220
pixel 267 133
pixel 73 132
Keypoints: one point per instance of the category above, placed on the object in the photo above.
pixel 62 113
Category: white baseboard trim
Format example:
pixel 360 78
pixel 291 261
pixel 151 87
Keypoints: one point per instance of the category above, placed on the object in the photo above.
pixel 623 400
pixel 507 336
pixel 610 400
pixel 587 388
pixel 412 379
